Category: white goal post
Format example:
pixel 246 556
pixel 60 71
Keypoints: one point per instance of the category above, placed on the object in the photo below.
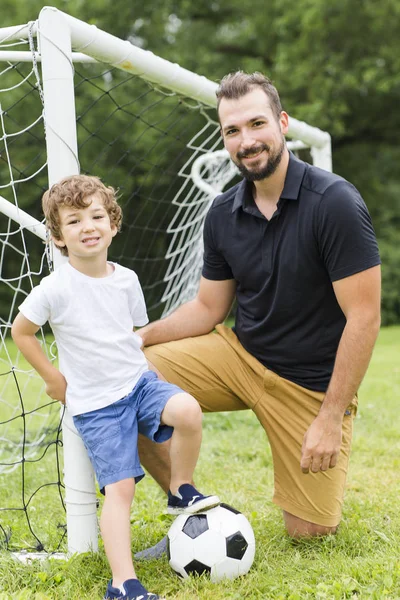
pixel 61 42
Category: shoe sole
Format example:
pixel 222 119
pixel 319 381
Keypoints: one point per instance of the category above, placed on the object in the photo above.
pixel 200 506
pixel 141 596
pixel 149 595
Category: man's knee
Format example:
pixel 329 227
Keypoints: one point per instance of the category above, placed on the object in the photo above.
pixel 299 528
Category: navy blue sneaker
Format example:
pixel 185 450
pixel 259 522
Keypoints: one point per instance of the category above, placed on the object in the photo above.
pixel 131 589
pixel 189 501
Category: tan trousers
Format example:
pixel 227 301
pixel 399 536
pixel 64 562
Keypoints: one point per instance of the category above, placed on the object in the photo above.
pixel 223 376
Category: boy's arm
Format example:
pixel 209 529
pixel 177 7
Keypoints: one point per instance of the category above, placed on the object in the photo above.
pixel 23 333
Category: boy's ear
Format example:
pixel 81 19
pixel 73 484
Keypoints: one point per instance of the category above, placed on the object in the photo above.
pixel 58 243
pixel 114 230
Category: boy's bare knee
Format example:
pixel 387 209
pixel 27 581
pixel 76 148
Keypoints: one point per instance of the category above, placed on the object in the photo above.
pixel 183 411
pixel 191 415
pixel 123 490
pixel 299 528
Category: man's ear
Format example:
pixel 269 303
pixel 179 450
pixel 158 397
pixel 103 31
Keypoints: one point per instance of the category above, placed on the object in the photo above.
pixel 284 122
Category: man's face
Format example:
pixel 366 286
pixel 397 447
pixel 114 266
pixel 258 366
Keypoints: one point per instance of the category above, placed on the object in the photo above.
pixel 252 134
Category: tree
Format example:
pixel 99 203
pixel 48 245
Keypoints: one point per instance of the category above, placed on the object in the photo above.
pixel 336 65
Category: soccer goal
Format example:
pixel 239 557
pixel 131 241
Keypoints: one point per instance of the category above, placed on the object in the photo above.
pixel 76 99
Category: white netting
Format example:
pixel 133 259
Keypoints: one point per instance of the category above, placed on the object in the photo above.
pixel 139 139
pixel 29 420
pixel 164 153
pixel 206 177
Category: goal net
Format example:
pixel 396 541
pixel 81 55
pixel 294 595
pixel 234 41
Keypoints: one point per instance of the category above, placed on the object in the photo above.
pixel 75 99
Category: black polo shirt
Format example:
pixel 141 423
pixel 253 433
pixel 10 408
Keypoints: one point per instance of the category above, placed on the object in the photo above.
pixel 287 314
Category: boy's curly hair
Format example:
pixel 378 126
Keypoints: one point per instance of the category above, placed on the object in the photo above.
pixel 74 192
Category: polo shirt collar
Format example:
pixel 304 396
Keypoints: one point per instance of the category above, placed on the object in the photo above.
pixel 291 189
pixel 294 178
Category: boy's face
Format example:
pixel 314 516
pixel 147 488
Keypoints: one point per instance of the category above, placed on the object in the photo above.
pixel 86 232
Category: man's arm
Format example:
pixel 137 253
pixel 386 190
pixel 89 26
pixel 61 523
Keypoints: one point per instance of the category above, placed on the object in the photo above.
pixel 359 299
pixel 197 317
pixel 23 333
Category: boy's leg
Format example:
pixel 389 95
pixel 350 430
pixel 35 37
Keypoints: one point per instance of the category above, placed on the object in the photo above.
pixel 110 438
pixel 183 413
pixel 165 412
pixel 115 529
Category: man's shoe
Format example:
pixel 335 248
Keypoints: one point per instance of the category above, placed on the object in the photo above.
pixel 157 551
pixel 131 589
pixel 189 501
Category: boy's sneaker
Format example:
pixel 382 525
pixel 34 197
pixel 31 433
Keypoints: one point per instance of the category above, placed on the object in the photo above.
pixel 131 589
pixel 189 501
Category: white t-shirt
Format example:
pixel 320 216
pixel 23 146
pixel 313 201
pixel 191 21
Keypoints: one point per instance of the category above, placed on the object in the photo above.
pixel 92 320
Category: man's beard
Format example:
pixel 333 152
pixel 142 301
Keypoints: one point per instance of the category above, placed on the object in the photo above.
pixel 257 174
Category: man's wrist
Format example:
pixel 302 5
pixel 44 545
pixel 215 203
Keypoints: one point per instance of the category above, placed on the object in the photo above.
pixel 332 410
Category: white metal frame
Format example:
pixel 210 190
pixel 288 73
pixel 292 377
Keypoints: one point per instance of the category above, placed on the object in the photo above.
pixel 92 43
pixel 62 160
pixel 59 35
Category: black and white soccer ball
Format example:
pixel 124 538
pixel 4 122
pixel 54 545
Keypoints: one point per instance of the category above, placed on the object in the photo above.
pixel 219 542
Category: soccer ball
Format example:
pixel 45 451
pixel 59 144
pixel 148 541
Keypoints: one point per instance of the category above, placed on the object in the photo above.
pixel 219 542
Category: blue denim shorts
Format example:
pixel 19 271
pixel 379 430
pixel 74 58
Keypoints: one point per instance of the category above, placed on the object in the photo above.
pixel 110 434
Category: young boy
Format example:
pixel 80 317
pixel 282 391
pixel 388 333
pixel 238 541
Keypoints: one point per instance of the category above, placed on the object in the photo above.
pixel 92 306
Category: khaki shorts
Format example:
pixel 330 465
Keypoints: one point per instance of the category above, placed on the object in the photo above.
pixel 223 376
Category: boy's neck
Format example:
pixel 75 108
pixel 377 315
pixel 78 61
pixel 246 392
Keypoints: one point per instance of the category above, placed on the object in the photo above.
pixel 94 267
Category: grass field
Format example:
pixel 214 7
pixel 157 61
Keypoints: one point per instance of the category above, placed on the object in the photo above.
pixel 361 562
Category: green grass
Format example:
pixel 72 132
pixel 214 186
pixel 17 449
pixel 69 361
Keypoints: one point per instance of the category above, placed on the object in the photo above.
pixel 361 562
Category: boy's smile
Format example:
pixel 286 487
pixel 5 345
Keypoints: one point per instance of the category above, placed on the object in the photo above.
pixel 90 241
pixel 86 232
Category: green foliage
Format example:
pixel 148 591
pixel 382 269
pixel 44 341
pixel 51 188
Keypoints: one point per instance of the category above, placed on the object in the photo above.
pixel 336 65
pixel 380 188
pixel 390 253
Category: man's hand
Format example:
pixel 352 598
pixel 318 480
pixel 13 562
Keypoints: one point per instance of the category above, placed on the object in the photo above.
pixel 56 386
pixel 321 443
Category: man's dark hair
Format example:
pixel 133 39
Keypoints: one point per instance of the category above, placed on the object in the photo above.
pixel 238 84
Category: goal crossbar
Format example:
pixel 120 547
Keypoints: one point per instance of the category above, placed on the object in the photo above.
pixel 122 54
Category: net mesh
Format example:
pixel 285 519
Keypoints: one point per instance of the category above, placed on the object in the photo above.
pixel 143 141
pixel 163 153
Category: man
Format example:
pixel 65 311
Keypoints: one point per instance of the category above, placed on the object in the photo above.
pixel 295 245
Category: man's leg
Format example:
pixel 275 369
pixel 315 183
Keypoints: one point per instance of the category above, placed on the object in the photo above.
pixel 298 528
pixel 312 502
pixel 155 459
